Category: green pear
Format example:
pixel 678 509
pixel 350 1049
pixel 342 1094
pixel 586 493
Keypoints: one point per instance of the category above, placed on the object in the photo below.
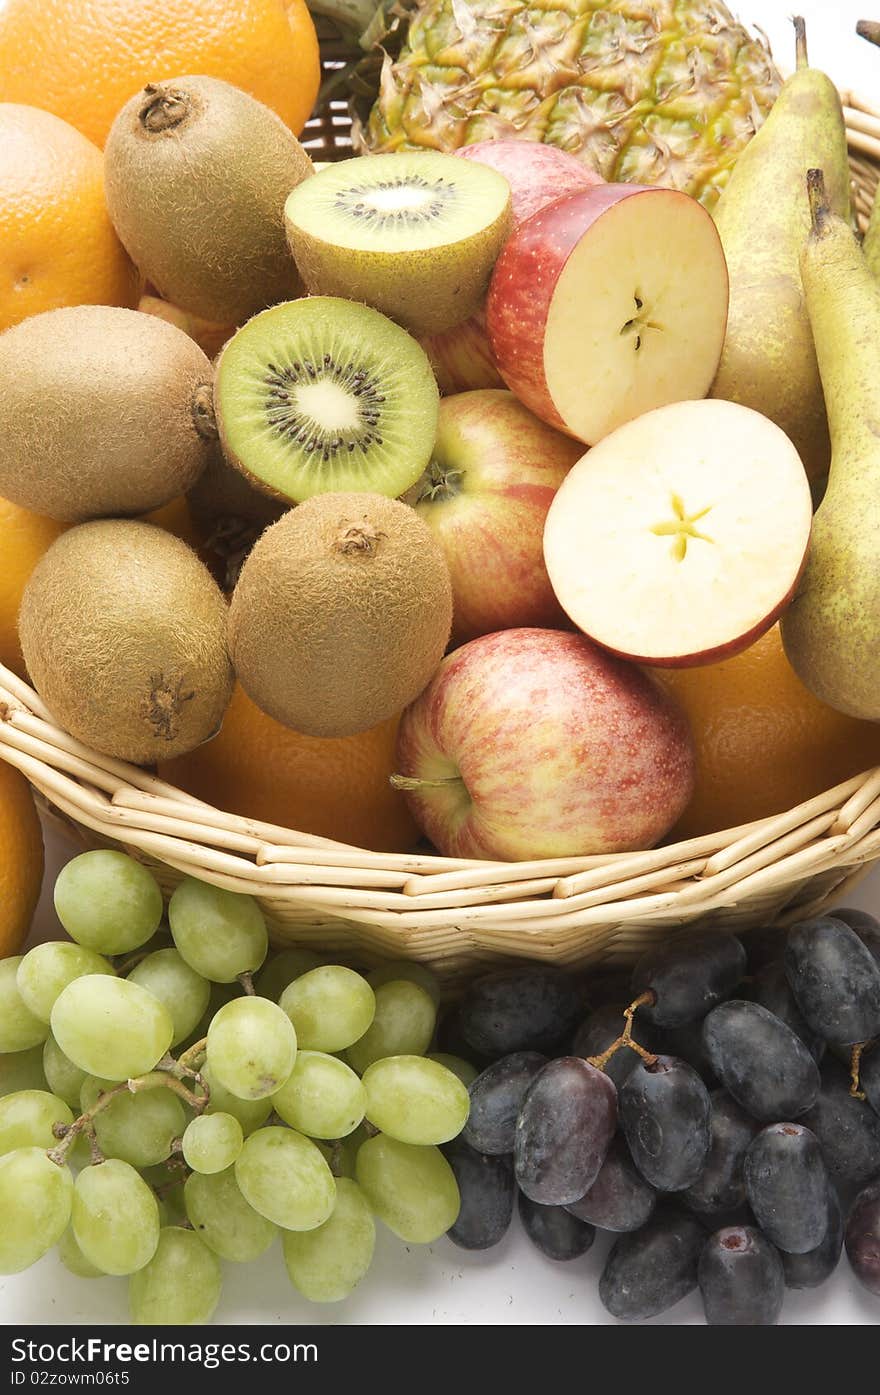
pixel 831 632
pixel 763 216
pixel 871 244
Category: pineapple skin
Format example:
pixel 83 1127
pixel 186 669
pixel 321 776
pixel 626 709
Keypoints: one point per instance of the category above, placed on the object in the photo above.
pixel 644 91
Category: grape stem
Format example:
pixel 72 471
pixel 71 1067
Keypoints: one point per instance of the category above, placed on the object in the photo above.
pixel 855 1062
pixel 626 1037
pixel 247 982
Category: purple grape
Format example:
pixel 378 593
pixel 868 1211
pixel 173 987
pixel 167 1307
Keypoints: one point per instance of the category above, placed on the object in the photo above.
pixel 770 989
pixel 760 1061
pixel 686 1043
pixel 533 1008
pixel 600 1029
pixel 664 1113
pixel 863 1236
pixel 813 1268
pixel 835 980
pixel 867 927
pixel 554 1231
pixel 564 1130
pixel 689 976
pixel 721 1185
pixel 763 945
pixel 847 1128
pixel 496 1099
pixel 741 1279
pixel 620 1199
pixel 787 1187
pixel 649 1270
pixel 487 1193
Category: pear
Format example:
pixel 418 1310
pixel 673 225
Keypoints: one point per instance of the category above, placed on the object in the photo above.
pixel 831 632
pixel 871 244
pixel 768 361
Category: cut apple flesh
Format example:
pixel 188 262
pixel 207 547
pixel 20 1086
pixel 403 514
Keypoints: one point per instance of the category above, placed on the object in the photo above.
pixel 680 538
pixel 618 296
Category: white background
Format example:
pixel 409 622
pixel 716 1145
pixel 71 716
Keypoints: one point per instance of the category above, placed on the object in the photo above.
pixel 511 1284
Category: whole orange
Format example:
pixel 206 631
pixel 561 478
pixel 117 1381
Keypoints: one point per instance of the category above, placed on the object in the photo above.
pixel 21 859
pixel 83 59
pixel 24 538
pixel 336 788
pixel 57 244
pixel 764 743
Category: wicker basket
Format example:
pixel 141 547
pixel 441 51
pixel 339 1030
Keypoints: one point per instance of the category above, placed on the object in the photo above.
pixel 452 914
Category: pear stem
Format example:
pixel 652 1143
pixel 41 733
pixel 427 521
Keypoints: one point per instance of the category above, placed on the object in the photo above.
pixel 800 42
pixel 869 29
pixel 820 209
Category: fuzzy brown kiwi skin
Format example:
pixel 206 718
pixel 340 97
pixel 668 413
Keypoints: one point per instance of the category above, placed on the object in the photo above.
pixel 103 411
pixel 124 635
pixel 196 176
pixel 341 614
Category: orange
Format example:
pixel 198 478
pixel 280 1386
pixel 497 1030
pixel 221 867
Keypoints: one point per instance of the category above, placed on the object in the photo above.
pixel 24 538
pixel 764 742
pixel 57 244
pixel 336 788
pixel 83 59
pixel 21 859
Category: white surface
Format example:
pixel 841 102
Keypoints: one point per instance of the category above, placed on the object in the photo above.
pixel 512 1284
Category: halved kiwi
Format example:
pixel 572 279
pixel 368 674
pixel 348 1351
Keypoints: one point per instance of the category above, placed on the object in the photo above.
pixel 322 395
pixel 415 235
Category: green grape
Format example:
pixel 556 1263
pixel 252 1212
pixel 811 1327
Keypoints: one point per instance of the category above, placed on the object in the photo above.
pixel 251 1047
pixel 410 971
pixel 115 1217
pixel 330 1007
pixel 218 1212
pixel 63 1078
pixel 251 1114
pixel 35 1200
pixel 327 1264
pixel 415 1100
pixel 185 993
pixel 181 1284
pixel 23 1070
pixel 341 1153
pixel 72 1257
pixel 20 1029
pixel 212 1142
pixel 220 934
pixel 47 969
pixel 281 969
pixel 412 1189
pixel 466 1073
pixel 403 1025
pixel 26 1120
pixel 137 1128
pixel 110 1027
pixel 323 1097
pixel 284 1177
pixel 108 902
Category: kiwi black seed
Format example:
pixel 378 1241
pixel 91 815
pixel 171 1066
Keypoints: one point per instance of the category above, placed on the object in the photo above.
pixel 414 234
pixel 322 395
pixel 196 175
pixel 103 411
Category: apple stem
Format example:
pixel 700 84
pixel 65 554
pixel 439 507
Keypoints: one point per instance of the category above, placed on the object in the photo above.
pixel 869 29
pixel 800 42
pixel 626 1037
pixel 820 209
pixel 412 782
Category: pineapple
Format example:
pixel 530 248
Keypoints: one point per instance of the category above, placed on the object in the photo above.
pixel 648 91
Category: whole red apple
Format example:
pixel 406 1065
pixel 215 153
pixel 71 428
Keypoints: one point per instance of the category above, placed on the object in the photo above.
pixel 491 481
pixel 537 174
pixel 536 743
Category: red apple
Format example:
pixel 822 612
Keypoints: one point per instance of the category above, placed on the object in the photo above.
pixel 537 174
pixel 681 537
pixel 607 304
pixel 492 478
pixel 536 743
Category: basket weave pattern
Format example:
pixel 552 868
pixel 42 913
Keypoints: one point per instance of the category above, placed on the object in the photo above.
pixel 453 914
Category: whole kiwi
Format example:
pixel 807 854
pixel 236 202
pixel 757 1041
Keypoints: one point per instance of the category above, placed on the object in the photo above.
pixel 123 632
pixel 196 174
pixel 103 411
pixel 341 614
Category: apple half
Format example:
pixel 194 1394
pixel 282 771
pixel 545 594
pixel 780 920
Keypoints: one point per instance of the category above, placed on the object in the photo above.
pixel 681 537
pixel 607 304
